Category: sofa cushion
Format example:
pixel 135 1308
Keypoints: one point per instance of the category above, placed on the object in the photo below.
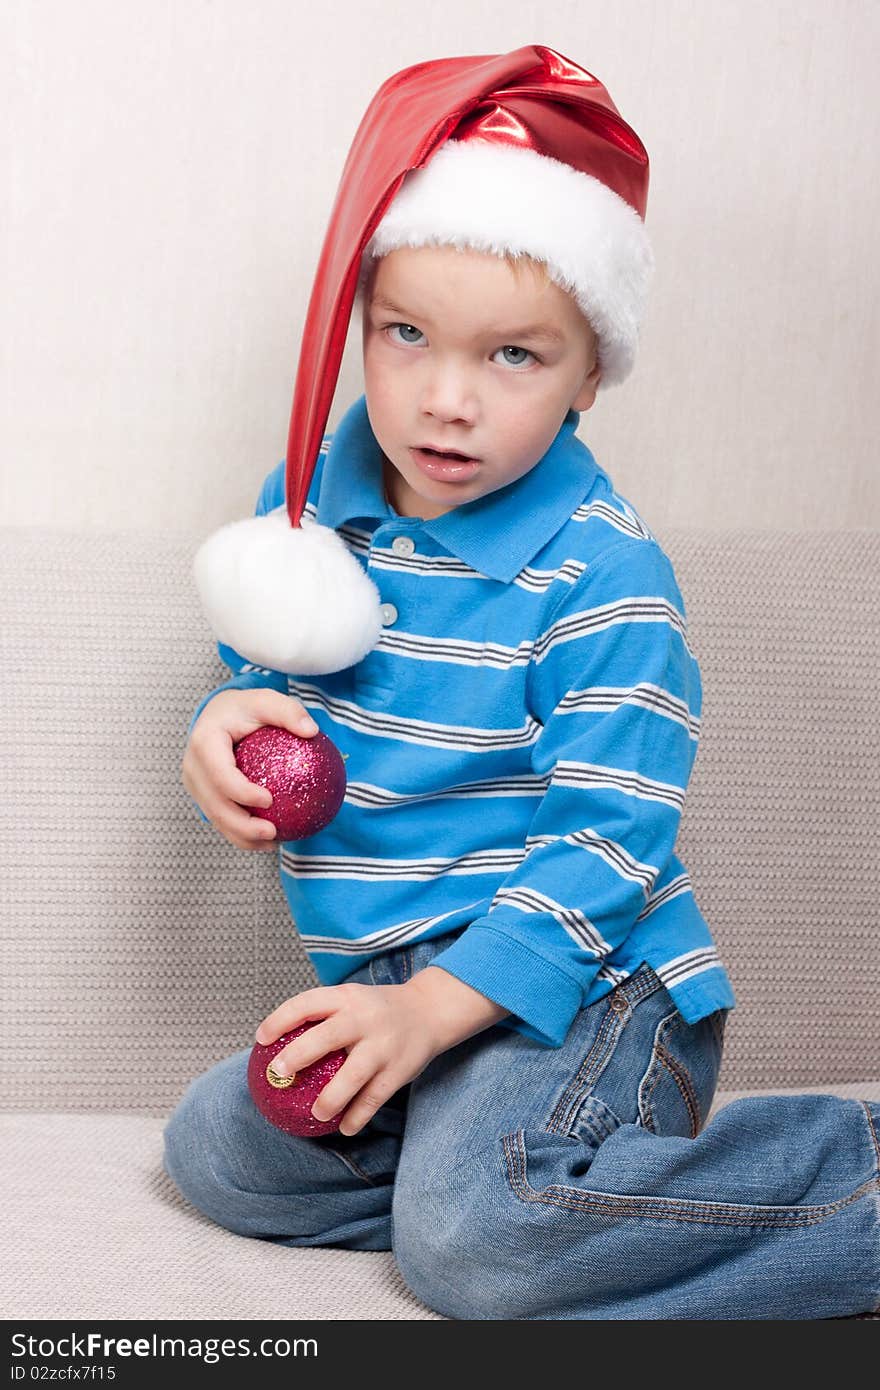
pixel 94 1228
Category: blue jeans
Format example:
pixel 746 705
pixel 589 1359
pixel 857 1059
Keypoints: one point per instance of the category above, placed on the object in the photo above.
pixel 512 1180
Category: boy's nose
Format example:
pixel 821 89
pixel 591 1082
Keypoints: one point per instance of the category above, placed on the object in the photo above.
pixel 448 396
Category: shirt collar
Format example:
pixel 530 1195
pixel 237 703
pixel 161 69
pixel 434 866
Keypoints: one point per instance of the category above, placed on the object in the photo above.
pixel 498 534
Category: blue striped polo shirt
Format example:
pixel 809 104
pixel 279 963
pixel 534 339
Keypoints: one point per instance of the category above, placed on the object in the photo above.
pixel 519 742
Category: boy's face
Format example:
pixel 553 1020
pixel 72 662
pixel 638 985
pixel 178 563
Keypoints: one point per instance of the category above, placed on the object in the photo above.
pixel 448 363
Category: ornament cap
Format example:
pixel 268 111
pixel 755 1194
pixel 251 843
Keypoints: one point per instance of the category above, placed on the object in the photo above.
pixel 279 1082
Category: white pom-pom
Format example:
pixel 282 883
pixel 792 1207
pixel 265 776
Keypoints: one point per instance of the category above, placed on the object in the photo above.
pixel 293 599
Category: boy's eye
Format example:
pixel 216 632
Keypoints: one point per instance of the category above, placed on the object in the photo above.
pixel 410 334
pixel 518 363
pixel 406 328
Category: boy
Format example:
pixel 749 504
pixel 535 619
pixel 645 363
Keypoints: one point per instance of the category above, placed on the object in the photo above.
pixel 510 950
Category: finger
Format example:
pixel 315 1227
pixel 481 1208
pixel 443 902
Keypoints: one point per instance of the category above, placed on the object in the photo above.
pixel 354 1078
pixel 238 788
pixel 236 824
pixel 251 830
pixel 233 714
pixel 233 784
pixel 290 1062
pixel 262 840
pixel 216 769
pixel 255 847
pixel 284 711
pixel 361 1102
pixel 261 846
pixel 301 1008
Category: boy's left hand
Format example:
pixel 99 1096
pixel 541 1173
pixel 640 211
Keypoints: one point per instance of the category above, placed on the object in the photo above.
pixel 386 1030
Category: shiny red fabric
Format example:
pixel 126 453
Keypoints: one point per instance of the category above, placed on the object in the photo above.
pixel 533 97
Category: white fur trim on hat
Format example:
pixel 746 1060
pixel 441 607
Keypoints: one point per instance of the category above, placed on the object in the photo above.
pixel 506 198
pixel 294 599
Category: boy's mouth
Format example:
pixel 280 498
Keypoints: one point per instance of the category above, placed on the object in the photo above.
pixel 447 453
pixel 448 465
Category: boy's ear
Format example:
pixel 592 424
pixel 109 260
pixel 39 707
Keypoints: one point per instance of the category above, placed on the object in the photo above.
pixel 587 393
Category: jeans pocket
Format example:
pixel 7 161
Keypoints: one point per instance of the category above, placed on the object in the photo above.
pixel 676 1091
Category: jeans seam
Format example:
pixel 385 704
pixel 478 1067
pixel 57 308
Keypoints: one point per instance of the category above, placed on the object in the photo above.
pixel 873 1132
pixel 682 1081
pixel 350 1163
pixel 588 1073
pixel 644 1101
pixel 616 1205
pixel 661 1057
pixel 640 985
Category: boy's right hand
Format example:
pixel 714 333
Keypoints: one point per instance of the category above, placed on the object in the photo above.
pixel 209 771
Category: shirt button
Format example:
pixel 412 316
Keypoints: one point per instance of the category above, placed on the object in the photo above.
pixel 403 545
pixel 389 614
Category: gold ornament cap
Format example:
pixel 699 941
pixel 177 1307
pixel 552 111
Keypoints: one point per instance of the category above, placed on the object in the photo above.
pixel 279 1082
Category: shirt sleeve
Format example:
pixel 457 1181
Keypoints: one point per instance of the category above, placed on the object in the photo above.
pixel 245 675
pixel 617 691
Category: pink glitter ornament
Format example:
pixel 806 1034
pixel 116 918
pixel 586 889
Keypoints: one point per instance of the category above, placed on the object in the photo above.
pixel 287 1101
pixel 306 777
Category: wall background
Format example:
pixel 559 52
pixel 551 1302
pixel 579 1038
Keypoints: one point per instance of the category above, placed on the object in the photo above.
pixel 166 175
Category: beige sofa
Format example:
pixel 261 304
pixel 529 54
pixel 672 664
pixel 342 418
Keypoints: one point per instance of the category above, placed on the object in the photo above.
pixel 139 947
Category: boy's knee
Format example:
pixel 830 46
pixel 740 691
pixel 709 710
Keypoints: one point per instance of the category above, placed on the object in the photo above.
pixel 445 1238
pixel 449 1264
pixel 203 1131
pixel 469 1247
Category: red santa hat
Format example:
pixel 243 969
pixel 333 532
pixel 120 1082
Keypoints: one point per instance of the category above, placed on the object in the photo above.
pixel 521 153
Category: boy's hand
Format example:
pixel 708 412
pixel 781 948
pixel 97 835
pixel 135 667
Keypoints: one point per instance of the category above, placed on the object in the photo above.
pixel 209 771
pixel 391 1033
pixel 386 1030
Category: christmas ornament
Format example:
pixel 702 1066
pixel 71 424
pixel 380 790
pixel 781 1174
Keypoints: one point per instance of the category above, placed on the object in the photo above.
pixel 286 1101
pixel 306 777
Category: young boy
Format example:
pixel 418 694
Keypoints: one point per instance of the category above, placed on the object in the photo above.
pixel 509 949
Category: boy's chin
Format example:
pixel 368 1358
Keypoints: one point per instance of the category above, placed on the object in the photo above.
pixel 412 494
pixel 430 502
